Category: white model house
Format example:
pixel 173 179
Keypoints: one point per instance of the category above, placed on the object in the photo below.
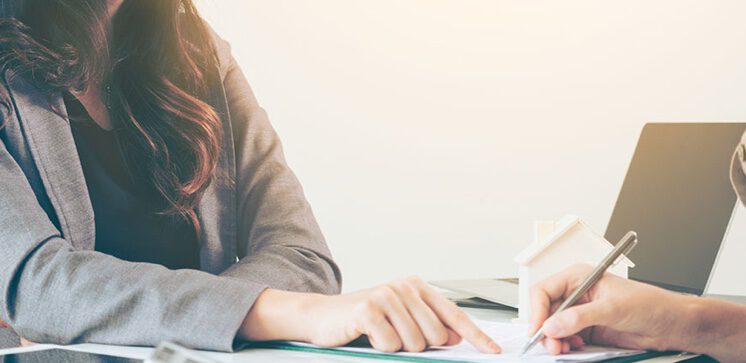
pixel 556 246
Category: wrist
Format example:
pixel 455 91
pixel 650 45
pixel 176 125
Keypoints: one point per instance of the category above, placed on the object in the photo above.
pixel 686 321
pixel 704 324
pixel 279 315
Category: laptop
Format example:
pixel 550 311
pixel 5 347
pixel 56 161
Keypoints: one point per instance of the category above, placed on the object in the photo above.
pixel 676 195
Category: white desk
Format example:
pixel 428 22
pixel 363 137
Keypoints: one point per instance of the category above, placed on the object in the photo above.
pixel 262 355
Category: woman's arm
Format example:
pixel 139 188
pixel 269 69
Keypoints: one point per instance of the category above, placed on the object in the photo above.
pixel 280 243
pixel 50 292
pixel 401 315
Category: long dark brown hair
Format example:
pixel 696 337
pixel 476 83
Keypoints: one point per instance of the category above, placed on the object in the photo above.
pixel 155 58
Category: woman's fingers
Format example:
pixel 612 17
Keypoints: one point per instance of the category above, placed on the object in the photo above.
pixel 408 314
pixel 381 334
pixel 399 316
pixel 433 330
pixel 458 321
pixel 453 338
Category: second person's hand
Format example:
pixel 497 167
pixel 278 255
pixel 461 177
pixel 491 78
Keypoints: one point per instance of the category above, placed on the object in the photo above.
pixel 614 312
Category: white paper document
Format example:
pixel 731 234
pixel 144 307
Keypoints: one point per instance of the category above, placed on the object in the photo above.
pixel 511 338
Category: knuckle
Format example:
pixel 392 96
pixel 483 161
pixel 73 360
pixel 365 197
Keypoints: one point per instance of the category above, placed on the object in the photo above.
pixel 408 289
pixel 408 284
pixel 368 308
pixel 398 285
pixel 384 293
pixel 415 280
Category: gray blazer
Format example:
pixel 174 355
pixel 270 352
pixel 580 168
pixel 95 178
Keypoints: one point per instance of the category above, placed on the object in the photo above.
pixel 258 232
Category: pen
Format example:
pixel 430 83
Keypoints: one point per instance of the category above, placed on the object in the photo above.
pixel 622 248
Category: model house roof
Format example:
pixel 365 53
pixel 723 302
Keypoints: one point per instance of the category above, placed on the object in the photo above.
pixel 562 227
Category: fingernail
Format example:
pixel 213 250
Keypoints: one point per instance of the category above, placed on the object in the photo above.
pixel 551 327
pixel 494 347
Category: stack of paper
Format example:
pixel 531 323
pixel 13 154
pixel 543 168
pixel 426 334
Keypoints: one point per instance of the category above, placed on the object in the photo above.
pixel 511 338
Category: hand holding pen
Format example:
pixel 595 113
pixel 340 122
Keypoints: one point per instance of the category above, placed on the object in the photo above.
pixel 622 247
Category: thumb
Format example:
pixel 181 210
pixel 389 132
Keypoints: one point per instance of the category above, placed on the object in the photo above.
pixel 575 319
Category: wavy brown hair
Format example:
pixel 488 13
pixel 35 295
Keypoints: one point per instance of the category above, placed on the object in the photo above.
pixel 156 59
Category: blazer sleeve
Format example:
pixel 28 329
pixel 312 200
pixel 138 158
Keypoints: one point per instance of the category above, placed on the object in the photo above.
pixel 50 292
pixel 280 243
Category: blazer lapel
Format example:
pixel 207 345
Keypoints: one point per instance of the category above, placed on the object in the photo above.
pixel 53 149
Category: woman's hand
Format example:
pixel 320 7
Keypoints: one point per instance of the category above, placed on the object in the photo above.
pixel 616 312
pixel 402 315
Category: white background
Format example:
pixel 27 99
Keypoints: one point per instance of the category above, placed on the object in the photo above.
pixel 430 134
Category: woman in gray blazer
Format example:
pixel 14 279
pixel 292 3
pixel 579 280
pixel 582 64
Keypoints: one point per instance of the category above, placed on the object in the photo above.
pixel 144 196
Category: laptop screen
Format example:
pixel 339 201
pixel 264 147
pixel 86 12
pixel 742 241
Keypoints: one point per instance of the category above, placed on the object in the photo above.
pixel 678 197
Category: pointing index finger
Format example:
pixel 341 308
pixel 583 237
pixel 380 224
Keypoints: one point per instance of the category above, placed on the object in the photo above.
pixel 456 319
